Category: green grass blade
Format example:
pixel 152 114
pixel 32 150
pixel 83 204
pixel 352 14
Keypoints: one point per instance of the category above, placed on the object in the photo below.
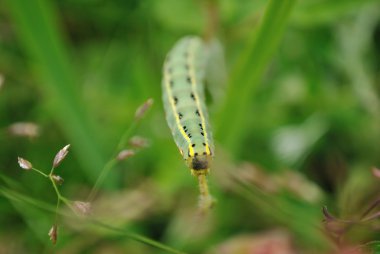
pixel 249 71
pixel 314 13
pixel 36 26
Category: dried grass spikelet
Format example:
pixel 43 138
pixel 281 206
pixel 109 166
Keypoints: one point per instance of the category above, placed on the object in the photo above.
pixel 139 142
pixel 58 179
pixel 124 154
pixel 140 112
pixel 24 129
pixel 24 164
pixel 60 156
pixel 82 208
pixel 53 234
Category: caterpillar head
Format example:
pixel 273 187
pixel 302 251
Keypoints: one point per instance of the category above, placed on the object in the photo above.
pixel 198 158
pixel 199 164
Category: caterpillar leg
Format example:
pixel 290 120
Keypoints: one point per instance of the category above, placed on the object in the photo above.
pixel 206 201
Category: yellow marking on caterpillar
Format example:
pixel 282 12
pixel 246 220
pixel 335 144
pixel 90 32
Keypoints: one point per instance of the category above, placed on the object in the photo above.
pixel 174 109
pixel 191 151
pixel 208 150
pixel 193 83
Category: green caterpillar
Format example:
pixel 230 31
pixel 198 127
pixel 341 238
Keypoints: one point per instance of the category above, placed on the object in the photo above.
pixel 184 102
pixel 185 108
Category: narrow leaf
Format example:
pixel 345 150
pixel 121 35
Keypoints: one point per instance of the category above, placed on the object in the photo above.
pixel 248 73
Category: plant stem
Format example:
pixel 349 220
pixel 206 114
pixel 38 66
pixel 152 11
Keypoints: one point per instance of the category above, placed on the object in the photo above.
pixel 112 161
pixel 55 187
pixel 101 178
pixel 40 172
pixel 58 193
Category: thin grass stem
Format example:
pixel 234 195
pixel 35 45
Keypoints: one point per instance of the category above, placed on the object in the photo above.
pixel 112 162
pixel 40 172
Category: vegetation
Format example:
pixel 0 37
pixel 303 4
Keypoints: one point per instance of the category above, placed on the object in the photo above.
pixel 295 116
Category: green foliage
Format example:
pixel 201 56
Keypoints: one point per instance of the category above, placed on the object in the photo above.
pixel 36 26
pixel 296 128
pixel 249 70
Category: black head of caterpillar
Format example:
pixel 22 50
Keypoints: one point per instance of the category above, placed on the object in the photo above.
pixel 199 164
pixel 198 158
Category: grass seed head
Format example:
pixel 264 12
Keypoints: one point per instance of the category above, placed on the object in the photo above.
pixel 140 112
pixel 24 164
pixel 139 142
pixel 57 179
pixel 53 233
pixel 60 156
pixel 82 208
pixel 24 129
pixel 124 154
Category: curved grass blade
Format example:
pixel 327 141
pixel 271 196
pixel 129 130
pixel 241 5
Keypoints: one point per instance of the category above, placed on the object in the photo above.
pixel 248 73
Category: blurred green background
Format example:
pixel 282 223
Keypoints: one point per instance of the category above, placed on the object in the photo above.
pixel 296 125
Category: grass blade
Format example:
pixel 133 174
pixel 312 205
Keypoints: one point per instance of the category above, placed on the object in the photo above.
pixel 249 71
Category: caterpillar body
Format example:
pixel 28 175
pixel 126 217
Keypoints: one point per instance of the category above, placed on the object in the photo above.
pixel 184 103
